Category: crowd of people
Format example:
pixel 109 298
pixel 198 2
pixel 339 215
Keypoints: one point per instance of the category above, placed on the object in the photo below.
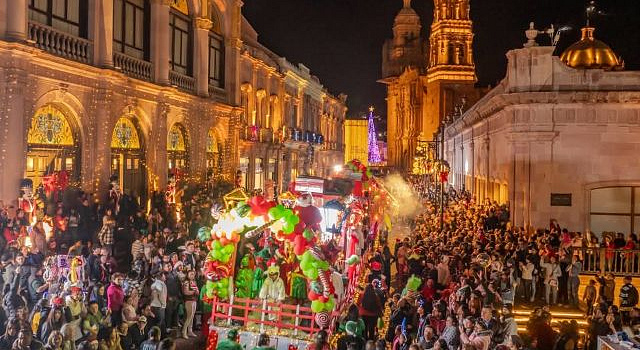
pixel 456 287
pixel 79 273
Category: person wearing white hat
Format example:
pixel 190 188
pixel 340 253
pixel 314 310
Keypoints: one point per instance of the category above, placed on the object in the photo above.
pixel 273 289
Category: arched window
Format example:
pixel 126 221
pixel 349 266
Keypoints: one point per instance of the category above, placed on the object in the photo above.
pixel 51 145
pixel 125 135
pixel 180 30
pixel 177 147
pixel 69 16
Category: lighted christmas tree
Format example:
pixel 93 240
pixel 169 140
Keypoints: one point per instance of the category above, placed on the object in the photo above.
pixel 374 151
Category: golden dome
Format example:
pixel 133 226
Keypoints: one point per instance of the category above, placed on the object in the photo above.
pixel 589 53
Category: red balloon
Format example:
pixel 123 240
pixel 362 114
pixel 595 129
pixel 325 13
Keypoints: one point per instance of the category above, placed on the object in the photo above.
pixel 299 245
pixel 223 241
pixel 299 228
pixel 323 299
pixel 313 295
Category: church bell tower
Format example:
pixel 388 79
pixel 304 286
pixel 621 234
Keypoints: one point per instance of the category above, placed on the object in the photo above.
pixel 451 72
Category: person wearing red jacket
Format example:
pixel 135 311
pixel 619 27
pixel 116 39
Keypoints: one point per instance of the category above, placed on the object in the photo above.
pixel 115 297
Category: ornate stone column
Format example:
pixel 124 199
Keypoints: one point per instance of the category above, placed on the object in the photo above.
pixel 159 147
pixel 103 33
pixel 17 23
pixel 201 55
pixel 103 100
pixel 12 134
pixel 160 39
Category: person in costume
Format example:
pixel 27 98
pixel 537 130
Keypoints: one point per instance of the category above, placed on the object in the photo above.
pixel 26 201
pixel 273 289
pixel 258 278
pixel 244 278
pixel 298 286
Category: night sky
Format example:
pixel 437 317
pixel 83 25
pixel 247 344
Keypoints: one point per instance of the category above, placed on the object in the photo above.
pixel 341 40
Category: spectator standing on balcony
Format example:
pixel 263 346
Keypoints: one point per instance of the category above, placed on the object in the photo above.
pixel 628 299
pixel 629 256
pixel 573 281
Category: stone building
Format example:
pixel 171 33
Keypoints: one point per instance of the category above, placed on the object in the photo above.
pixel 556 139
pixel 426 78
pixel 144 88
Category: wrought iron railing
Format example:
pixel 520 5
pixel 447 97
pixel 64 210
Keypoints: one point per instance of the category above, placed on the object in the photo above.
pixel 182 81
pixel 605 260
pixel 60 43
pixel 133 67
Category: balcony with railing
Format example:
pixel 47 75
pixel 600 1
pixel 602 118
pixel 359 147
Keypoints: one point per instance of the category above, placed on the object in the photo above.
pixel 134 67
pixel 605 260
pixel 183 82
pixel 60 43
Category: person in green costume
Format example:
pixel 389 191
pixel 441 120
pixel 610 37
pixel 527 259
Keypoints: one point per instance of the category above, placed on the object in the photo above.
pixel 258 278
pixel 353 315
pixel 244 279
pixel 230 343
pixel 263 342
pixel 298 286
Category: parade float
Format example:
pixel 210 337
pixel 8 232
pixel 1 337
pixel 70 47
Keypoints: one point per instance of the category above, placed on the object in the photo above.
pixel 286 266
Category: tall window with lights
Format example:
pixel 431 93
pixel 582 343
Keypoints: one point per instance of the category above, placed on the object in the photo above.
pixel 180 58
pixel 216 60
pixel 131 20
pixel 69 16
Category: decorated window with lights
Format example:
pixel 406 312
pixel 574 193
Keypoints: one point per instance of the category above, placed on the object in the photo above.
pixel 52 146
pixel 177 147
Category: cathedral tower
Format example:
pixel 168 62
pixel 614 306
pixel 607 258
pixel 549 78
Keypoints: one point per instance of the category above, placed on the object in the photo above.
pixel 406 49
pixel 451 72
pixel 425 79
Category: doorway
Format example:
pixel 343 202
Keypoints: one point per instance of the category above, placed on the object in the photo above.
pixel 127 159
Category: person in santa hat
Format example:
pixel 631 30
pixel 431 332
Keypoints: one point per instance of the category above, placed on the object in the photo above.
pixel 273 289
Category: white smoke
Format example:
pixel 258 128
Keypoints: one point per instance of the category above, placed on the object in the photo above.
pixel 406 200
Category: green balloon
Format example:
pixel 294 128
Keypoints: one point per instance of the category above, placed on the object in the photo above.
pixel 317 306
pixel 310 273
pixel 330 304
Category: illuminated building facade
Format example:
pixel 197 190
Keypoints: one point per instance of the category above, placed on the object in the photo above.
pixel 549 147
pixel 356 140
pixel 140 89
pixel 426 78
